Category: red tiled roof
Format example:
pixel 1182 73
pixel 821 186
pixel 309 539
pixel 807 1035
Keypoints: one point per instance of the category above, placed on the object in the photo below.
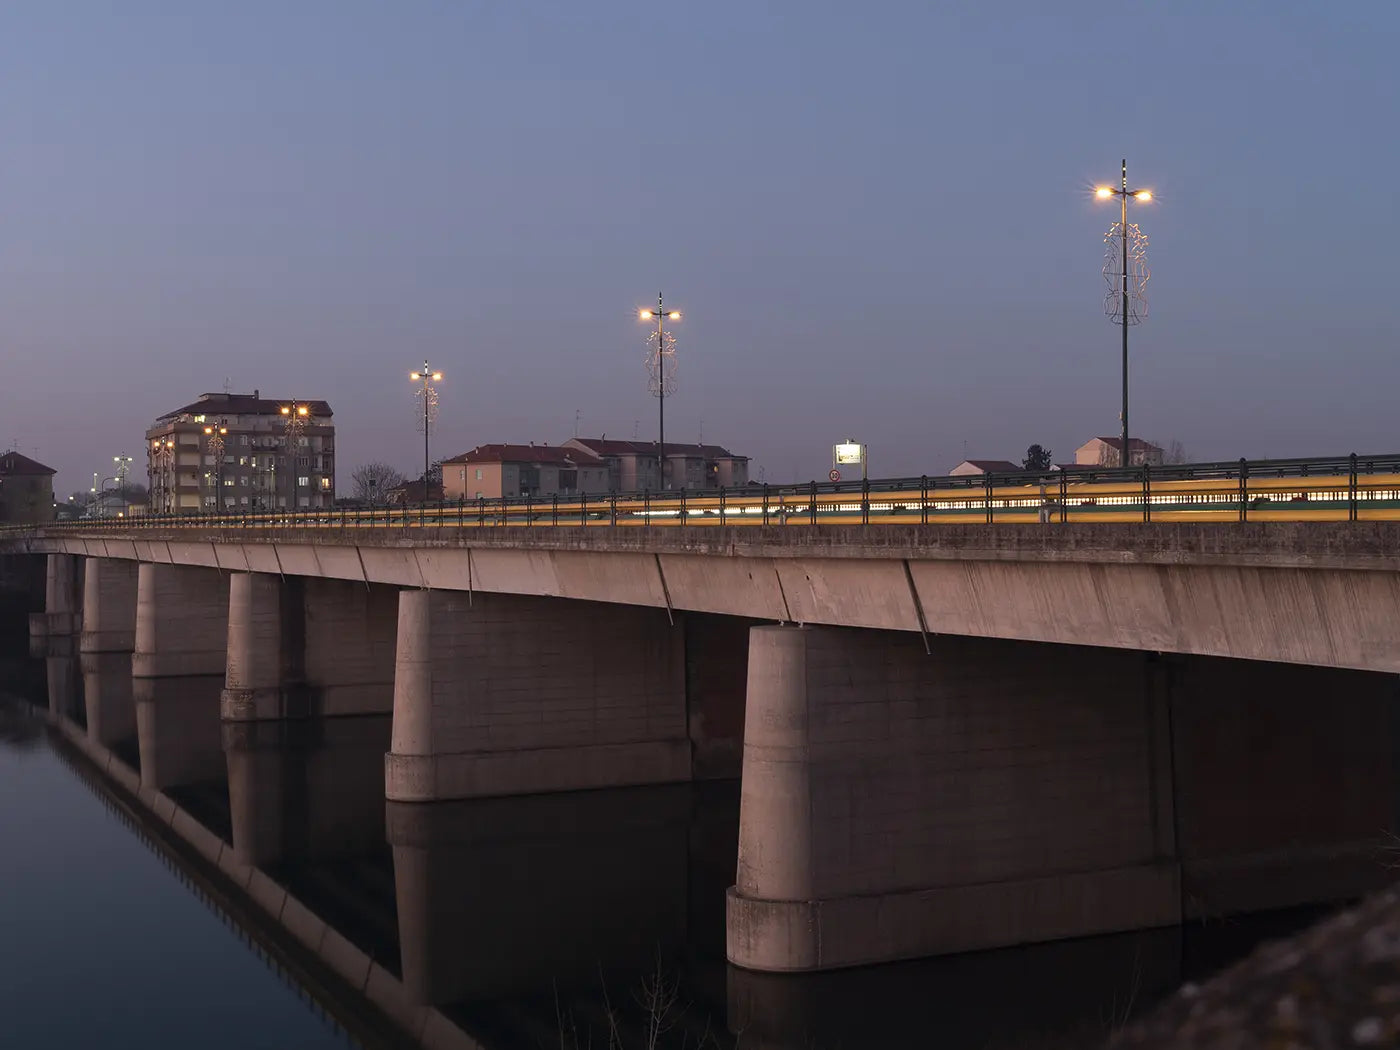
pixel 541 454
pixel 245 405
pixel 14 464
pixel 604 447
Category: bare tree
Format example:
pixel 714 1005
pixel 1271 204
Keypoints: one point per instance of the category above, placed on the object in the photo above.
pixel 1175 453
pixel 372 482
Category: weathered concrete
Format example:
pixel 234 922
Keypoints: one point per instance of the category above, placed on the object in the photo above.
pixel 181 621
pixel 504 695
pixel 109 606
pixel 257 674
pixel 1319 593
pixel 598 879
pixel 896 805
pixel 63 598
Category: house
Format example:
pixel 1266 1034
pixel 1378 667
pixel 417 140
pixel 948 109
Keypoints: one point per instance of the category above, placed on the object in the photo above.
pixel 26 490
pixel 523 471
pixel 984 466
pixel 238 452
pixel 632 465
pixel 1108 452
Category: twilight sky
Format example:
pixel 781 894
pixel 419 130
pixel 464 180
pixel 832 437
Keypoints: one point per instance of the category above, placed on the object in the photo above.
pixel 876 217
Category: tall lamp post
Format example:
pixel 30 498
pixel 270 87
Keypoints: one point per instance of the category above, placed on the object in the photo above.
pixel 1125 243
pixel 296 414
pixel 661 375
pixel 164 449
pixel 429 396
pixel 216 432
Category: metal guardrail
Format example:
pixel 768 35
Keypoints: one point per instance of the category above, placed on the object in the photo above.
pixel 1348 488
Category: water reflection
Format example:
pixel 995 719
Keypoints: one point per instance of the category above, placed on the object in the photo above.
pixel 547 920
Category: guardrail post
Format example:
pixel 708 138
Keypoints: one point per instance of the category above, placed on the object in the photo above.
pixel 721 504
pixel 765 503
pixel 923 500
pixel 1244 489
pixel 529 517
pixel 1352 483
pixel 554 510
pixel 865 501
pixel 612 507
pixel 1146 491
pixel 583 508
pixel 685 515
pixel 987 495
pixel 1064 498
pixel 502 520
pixel 646 508
pixel 814 502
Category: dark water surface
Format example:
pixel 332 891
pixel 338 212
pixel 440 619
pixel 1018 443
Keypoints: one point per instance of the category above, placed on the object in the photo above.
pixel 522 922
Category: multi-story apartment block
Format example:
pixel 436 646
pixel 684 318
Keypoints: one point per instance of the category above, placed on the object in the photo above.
pixel 632 465
pixel 231 453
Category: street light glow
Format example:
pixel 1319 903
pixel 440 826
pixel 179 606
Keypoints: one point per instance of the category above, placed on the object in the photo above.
pixel 286 411
pixel 414 376
pixel 674 315
pixel 302 410
pixel 437 377
pixel 1103 193
pixel 1143 195
pixel 645 315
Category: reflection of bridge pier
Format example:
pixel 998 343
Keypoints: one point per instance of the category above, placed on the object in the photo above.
pixel 108 697
pixel 306 789
pixel 177 730
pixel 506 896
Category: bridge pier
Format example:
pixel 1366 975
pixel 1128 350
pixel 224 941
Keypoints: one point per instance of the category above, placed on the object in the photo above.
pixel 181 621
pixel 177 731
pixel 301 647
pixel 109 606
pixel 498 694
pixel 897 804
pixel 63 600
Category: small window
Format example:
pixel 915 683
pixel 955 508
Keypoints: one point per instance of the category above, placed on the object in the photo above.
pixel 478 477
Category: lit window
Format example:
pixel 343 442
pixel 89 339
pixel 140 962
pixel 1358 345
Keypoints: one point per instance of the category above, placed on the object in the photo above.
pixel 478 476
pixel 303 481
pixel 325 483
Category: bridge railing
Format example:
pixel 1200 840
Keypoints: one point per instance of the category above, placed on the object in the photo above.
pixel 1345 488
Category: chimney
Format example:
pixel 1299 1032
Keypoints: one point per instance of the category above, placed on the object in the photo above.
pixel 257 394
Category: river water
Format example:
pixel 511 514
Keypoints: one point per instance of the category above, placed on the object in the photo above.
pixel 552 921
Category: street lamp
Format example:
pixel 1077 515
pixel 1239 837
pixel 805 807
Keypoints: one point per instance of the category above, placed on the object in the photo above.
pixel 216 433
pixel 1117 304
pixel 661 374
pixel 163 452
pixel 297 415
pixel 429 395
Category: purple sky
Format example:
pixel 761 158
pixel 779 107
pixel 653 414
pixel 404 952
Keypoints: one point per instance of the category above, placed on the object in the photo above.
pixel 876 217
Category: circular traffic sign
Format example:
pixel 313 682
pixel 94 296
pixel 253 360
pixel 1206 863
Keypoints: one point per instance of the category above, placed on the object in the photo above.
pixel 835 474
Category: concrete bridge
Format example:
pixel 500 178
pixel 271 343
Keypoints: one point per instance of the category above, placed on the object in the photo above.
pixel 950 737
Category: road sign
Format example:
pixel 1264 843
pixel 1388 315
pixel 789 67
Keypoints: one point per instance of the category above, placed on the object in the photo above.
pixel 835 475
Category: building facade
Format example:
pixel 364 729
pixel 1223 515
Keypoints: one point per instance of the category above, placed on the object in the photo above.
pixel 632 465
pixel 236 453
pixel 523 471
pixel 26 490
pixel 1108 452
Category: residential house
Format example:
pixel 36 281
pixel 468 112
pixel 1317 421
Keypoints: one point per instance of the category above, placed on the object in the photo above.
pixel 984 466
pixel 237 452
pixel 1108 452
pixel 632 465
pixel 523 471
pixel 413 493
pixel 26 490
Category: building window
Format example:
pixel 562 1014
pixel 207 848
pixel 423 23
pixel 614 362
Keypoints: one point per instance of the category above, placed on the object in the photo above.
pixel 478 477
pixel 303 481
pixel 326 483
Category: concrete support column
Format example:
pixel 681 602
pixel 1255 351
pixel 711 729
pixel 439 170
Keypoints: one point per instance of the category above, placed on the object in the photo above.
pixel 502 695
pixel 177 731
pixel 896 804
pixel 109 606
pixel 181 621
pixel 62 613
pixel 255 683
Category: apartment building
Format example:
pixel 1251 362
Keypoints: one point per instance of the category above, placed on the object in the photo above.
pixel 235 453
pixel 522 471
pixel 632 465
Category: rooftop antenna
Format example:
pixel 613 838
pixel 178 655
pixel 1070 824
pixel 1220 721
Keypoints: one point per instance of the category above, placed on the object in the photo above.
pixel 228 386
pixel 702 432
pixel 576 417
pixel 636 426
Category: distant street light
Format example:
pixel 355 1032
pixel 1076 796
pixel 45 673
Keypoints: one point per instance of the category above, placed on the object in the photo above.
pixel 297 414
pixel 429 395
pixel 1117 304
pixel 163 452
pixel 661 373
